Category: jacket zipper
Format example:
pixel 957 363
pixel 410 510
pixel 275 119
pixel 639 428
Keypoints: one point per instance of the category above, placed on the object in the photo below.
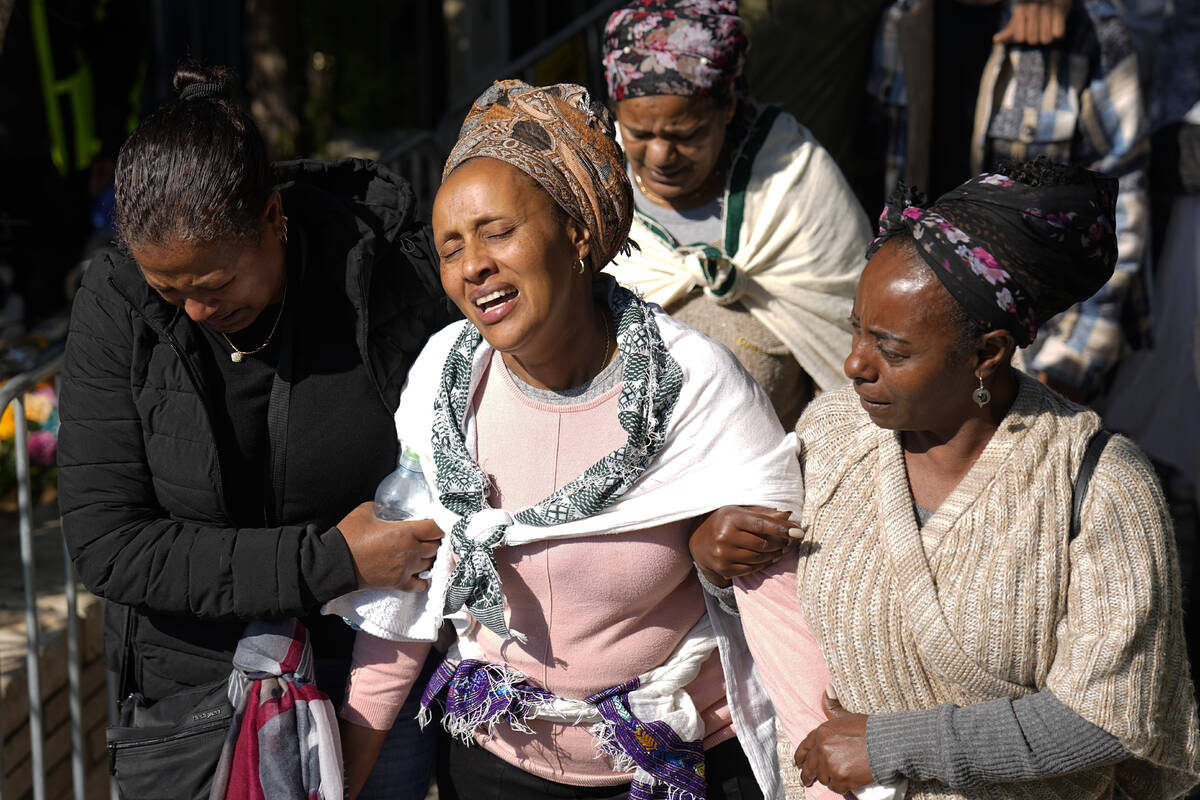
pixel 114 748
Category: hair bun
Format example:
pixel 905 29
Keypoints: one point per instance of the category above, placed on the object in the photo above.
pixel 199 91
pixel 196 82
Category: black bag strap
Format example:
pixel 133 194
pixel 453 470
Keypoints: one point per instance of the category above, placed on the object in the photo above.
pixel 125 674
pixel 279 405
pixel 1079 491
pixel 277 425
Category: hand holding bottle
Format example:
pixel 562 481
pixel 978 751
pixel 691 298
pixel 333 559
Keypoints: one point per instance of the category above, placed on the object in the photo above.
pixel 390 554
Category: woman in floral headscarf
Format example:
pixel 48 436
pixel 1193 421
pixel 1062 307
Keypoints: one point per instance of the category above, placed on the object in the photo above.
pixel 575 436
pixel 745 227
pixel 992 579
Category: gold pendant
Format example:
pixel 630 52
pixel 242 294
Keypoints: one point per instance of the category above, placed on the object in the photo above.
pixel 236 356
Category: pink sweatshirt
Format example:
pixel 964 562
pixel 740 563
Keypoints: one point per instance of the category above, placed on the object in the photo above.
pixel 596 610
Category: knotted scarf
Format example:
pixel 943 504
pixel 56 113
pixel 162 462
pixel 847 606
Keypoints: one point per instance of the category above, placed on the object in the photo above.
pixel 647 724
pixel 1011 254
pixel 682 47
pixel 566 142
pixel 283 741
pixel 651 383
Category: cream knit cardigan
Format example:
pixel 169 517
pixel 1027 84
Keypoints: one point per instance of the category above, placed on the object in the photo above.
pixel 988 601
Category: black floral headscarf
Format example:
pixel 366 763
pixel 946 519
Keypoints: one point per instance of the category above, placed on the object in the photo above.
pixel 683 47
pixel 1011 254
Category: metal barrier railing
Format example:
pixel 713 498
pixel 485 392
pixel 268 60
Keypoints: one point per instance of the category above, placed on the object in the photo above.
pixel 13 393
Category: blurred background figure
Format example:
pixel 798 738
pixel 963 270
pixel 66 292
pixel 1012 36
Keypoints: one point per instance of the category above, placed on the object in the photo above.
pixel 958 85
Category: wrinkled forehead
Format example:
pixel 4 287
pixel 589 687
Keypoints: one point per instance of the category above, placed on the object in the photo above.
pixel 183 264
pixel 666 112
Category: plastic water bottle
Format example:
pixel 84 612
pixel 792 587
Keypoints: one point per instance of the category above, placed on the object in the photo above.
pixel 404 494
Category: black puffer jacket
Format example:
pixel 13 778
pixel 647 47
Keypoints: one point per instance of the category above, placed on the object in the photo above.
pixel 143 507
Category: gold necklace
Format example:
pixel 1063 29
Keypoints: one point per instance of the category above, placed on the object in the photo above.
pixel 654 197
pixel 237 355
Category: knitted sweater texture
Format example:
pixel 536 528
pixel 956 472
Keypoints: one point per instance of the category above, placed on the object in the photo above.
pixel 988 600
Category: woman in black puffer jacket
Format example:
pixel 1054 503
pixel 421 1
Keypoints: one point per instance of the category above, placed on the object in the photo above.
pixel 228 393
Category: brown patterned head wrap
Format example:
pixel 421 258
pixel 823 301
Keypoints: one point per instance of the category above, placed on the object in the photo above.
pixel 565 141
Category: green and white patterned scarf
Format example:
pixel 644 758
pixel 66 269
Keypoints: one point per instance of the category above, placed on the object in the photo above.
pixel 651 383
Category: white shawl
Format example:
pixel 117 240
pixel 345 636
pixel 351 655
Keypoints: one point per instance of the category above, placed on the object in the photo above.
pixel 795 237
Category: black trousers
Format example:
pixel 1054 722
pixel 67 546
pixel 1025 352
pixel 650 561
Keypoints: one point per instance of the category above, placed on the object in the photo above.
pixel 472 773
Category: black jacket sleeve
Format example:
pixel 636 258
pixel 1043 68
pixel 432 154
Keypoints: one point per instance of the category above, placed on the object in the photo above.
pixel 126 545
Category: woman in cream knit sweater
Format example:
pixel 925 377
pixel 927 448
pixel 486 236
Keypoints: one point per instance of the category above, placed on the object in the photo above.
pixel 976 648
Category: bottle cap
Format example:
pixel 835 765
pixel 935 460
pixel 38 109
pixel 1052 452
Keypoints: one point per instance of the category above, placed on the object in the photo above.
pixel 410 460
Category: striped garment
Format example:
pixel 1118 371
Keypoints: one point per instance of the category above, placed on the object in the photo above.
pixel 1076 101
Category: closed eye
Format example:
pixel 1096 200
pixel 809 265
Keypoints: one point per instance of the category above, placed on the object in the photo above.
pixel 214 289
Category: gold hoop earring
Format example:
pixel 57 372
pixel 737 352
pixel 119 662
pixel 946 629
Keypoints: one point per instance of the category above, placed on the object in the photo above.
pixel 981 396
pixel 283 233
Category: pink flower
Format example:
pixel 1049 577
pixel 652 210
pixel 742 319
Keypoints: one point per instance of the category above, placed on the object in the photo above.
pixel 953 235
pixel 43 447
pixel 912 213
pixel 984 265
pixel 1098 229
pixel 985 257
pixel 996 180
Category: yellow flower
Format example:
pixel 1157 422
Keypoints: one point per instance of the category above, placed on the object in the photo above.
pixel 7 426
pixel 38 408
pixel 700 770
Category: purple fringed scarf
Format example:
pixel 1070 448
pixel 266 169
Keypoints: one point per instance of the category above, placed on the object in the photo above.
pixel 477 694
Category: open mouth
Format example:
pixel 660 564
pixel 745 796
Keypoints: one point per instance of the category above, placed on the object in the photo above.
pixel 494 306
pixel 496 298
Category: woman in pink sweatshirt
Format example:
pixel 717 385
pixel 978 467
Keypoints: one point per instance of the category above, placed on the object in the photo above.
pixel 574 437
